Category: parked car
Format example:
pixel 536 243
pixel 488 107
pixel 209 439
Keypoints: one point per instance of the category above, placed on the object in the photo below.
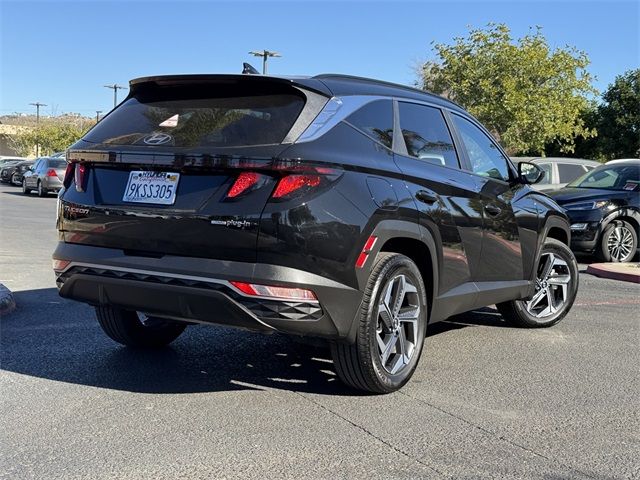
pixel 13 173
pixel 604 208
pixel 45 176
pixel 558 171
pixel 334 207
pixel 5 161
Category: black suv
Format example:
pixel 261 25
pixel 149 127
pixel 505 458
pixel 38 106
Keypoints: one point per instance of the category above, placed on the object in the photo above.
pixel 333 207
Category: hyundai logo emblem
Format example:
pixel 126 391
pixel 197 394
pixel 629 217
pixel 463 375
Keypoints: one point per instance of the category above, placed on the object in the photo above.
pixel 157 139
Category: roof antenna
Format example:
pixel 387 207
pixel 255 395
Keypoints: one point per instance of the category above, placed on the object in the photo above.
pixel 247 69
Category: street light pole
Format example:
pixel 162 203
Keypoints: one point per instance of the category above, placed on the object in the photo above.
pixel 98 112
pixel 38 105
pixel 115 87
pixel 265 54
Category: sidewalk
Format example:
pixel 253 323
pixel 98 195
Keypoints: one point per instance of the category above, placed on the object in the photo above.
pixel 627 272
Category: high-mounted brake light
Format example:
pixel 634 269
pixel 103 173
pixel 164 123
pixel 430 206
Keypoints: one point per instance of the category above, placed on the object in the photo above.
pixel 68 174
pixel 51 173
pixel 281 293
pixel 81 175
pixel 245 182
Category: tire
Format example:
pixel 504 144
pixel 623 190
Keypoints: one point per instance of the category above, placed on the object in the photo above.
pixel 619 242
pixel 25 189
pixel 361 365
pixel 545 309
pixel 127 328
pixel 42 192
pixel 14 179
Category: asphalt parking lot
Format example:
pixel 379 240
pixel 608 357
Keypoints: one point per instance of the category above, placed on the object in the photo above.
pixel 487 400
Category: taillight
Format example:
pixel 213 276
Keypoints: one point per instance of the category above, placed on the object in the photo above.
pixel 81 175
pixel 68 174
pixel 51 173
pixel 289 184
pixel 283 293
pixel 245 182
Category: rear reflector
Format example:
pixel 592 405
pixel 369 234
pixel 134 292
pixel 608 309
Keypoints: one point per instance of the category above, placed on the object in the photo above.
pixel 282 293
pixel 51 173
pixel 60 265
pixel 245 181
pixel 366 250
pixel 291 183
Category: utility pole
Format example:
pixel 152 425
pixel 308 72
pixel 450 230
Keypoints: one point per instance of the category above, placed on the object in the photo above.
pixel 38 105
pixel 115 87
pixel 264 54
pixel 98 112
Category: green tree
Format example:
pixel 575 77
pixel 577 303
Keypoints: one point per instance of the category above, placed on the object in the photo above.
pixel 53 136
pixel 527 94
pixel 618 120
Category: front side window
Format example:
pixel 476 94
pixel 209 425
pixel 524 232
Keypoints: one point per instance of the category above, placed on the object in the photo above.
pixel 426 135
pixel 485 157
pixel 376 120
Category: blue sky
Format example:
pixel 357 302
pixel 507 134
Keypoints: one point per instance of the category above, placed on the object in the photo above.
pixel 62 53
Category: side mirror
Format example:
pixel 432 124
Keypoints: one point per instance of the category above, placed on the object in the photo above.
pixel 529 173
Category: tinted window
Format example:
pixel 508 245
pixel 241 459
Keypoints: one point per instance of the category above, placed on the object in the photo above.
pixel 614 177
pixel 57 164
pixel 568 172
pixel 376 120
pixel 217 116
pixel 485 157
pixel 426 134
pixel 547 173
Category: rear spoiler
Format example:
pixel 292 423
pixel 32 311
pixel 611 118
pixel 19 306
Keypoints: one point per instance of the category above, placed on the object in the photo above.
pixel 305 83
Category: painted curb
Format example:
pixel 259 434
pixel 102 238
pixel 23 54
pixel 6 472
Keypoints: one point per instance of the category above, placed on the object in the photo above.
pixel 603 270
pixel 7 302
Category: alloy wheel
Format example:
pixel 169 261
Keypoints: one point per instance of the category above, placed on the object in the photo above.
pixel 552 286
pixel 620 243
pixel 397 328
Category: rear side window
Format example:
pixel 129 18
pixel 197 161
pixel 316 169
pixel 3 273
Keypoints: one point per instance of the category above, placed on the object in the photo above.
pixel 568 172
pixel 376 120
pixel 426 135
pixel 205 116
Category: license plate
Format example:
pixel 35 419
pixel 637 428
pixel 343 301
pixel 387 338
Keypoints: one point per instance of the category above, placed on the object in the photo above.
pixel 151 187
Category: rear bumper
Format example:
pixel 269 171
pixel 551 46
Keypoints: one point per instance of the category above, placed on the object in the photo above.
pixel 198 290
pixel 52 183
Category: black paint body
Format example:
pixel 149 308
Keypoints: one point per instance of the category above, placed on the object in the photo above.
pixel 476 239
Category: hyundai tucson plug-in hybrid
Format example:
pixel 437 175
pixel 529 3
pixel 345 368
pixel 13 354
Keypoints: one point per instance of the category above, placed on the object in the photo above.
pixel 335 207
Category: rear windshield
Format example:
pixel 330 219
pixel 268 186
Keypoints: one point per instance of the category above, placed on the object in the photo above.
pixel 57 163
pixel 216 116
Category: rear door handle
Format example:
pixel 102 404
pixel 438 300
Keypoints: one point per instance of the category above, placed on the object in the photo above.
pixel 492 210
pixel 426 197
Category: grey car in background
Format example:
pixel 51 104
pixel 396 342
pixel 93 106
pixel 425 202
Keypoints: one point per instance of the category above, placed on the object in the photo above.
pixel 44 176
pixel 558 171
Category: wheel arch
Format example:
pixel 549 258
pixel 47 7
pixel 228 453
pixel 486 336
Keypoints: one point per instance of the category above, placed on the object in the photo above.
pixel 413 241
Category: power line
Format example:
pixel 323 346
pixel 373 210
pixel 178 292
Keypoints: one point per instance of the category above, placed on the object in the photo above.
pixel 265 54
pixel 115 87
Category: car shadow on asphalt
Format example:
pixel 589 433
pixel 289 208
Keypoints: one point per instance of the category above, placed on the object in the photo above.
pixel 18 193
pixel 53 338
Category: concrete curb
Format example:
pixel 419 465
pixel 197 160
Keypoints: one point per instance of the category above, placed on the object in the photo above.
pixel 7 303
pixel 615 271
